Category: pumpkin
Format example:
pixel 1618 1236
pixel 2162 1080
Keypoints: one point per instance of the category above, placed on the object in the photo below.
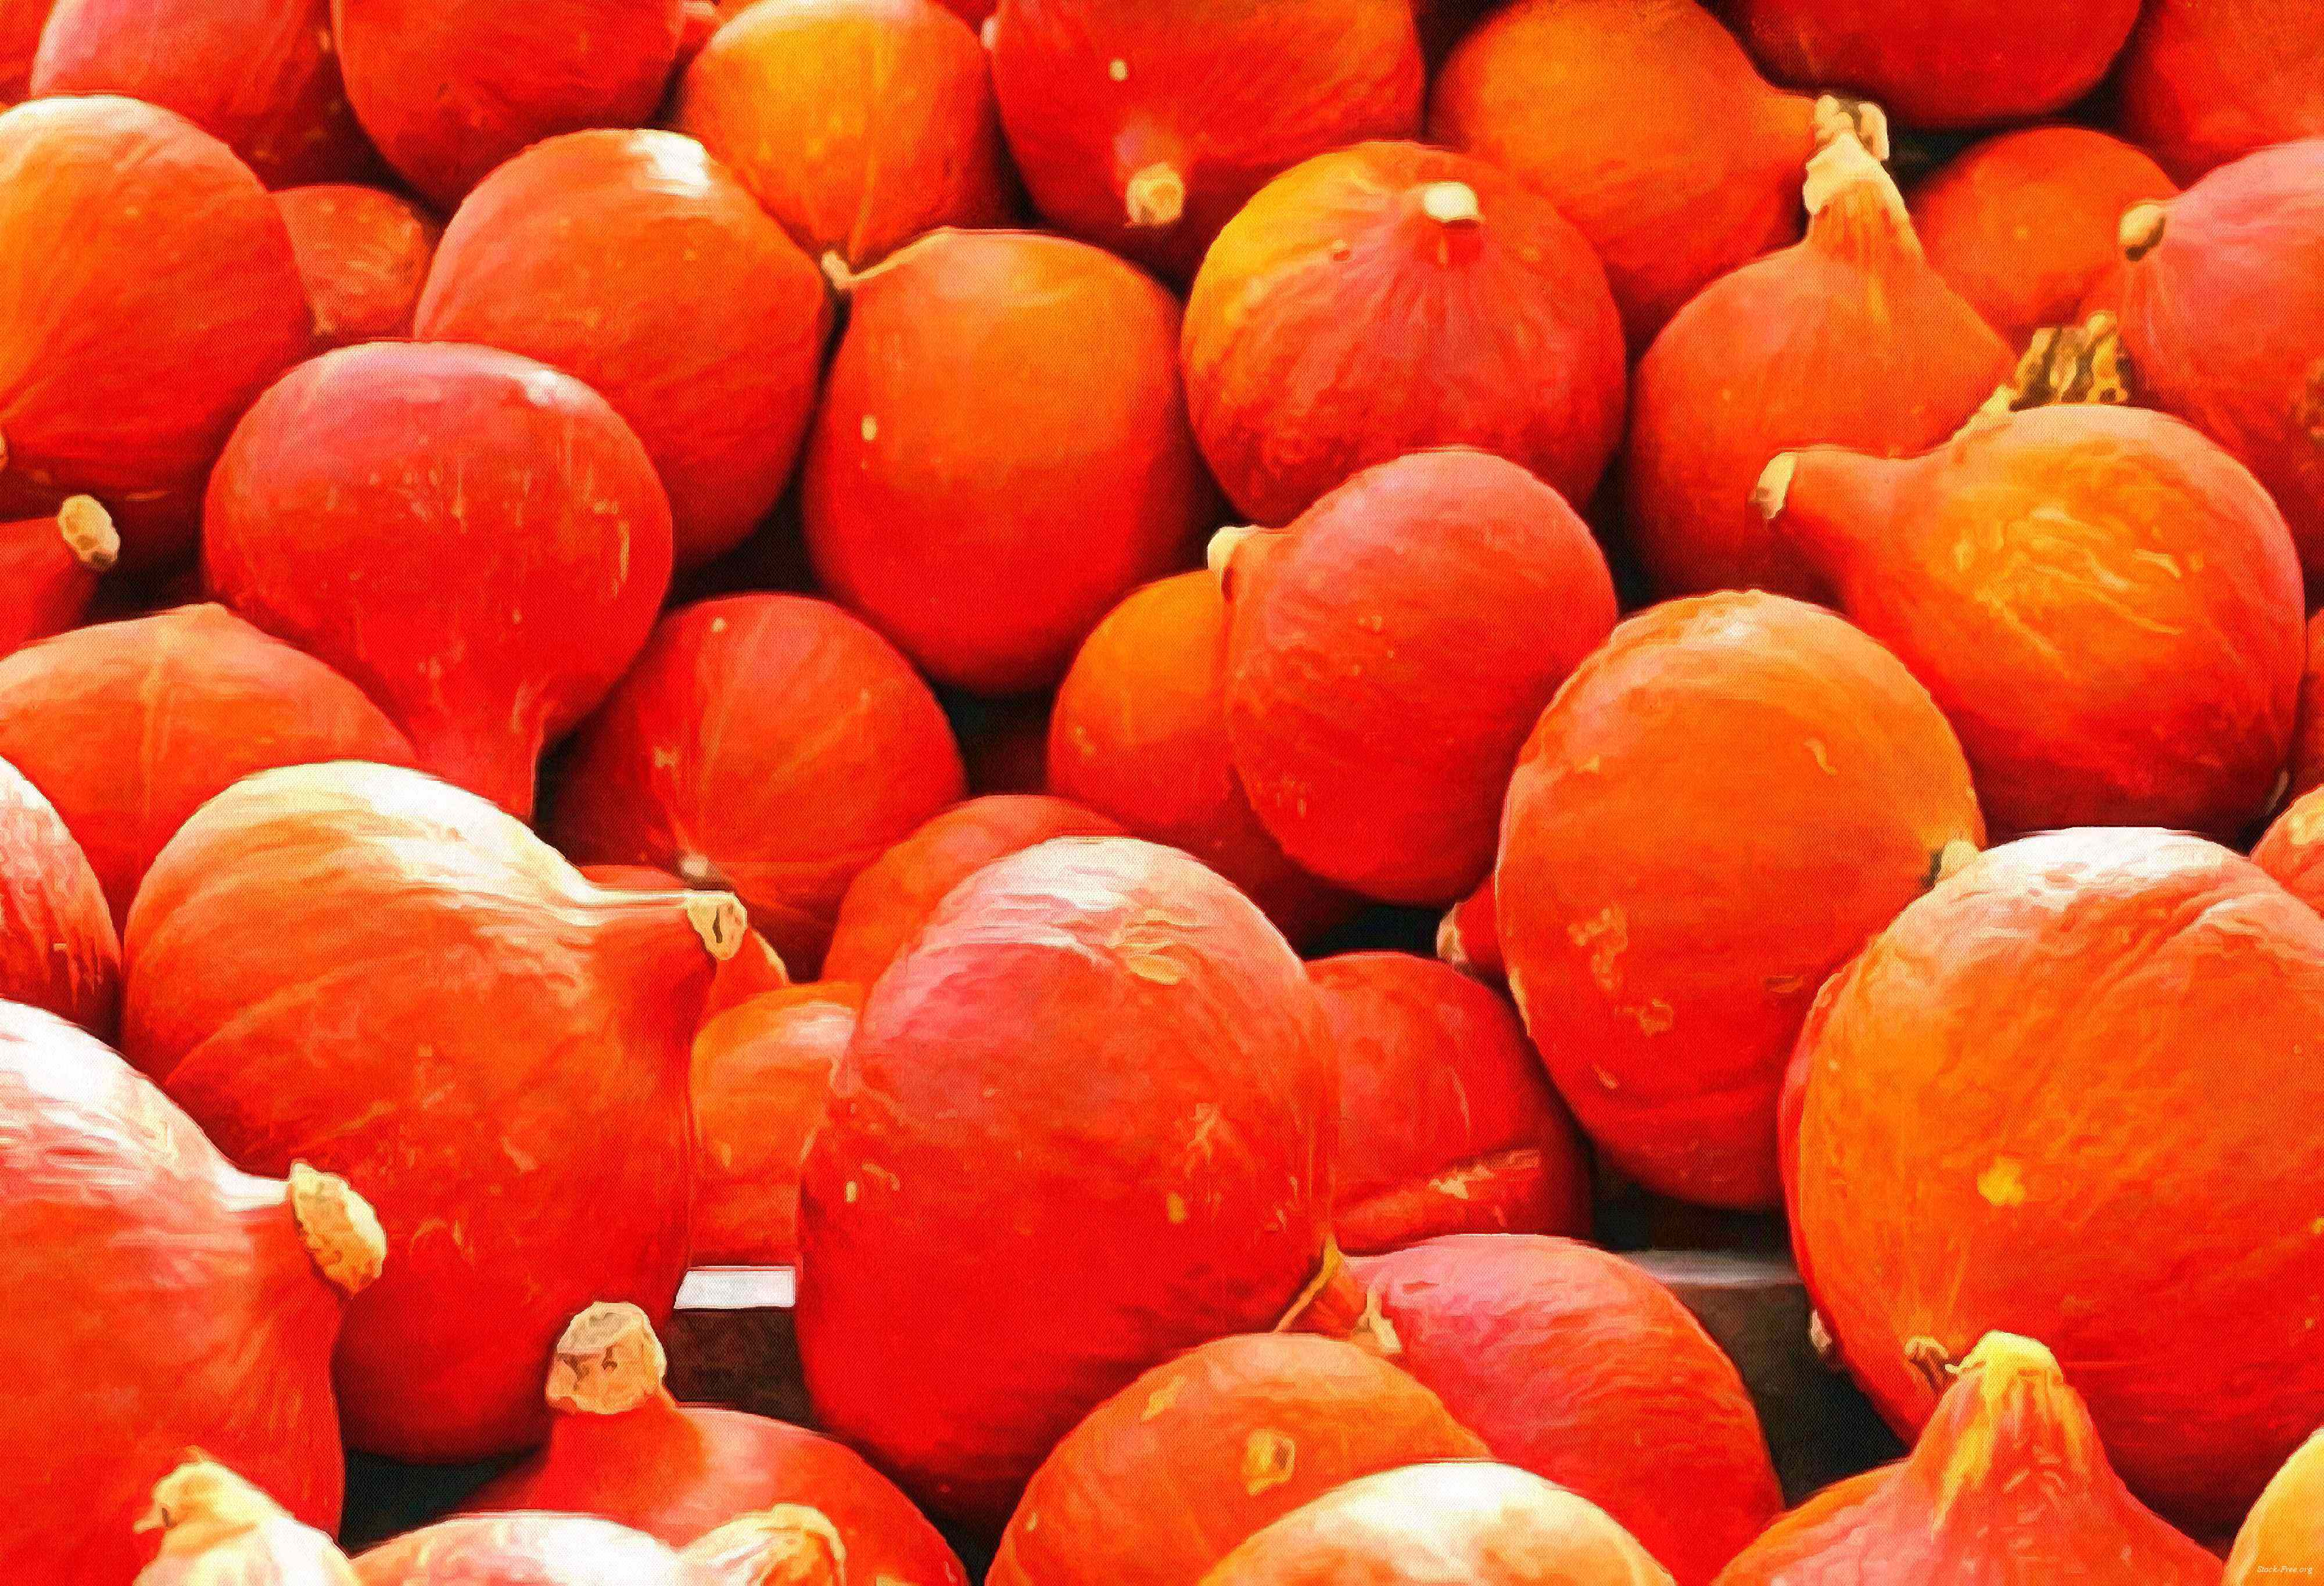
pixel 148 293
pixel 2108 563
pixel 1225 1439
pixel 2007 1484
pixel 1447 1122
pixel 260 75
pixel 219 1530
pixel 181 1302
pixel 622 1449
pixel 1579 1366
pixel 2206 81
pixel 2284 1532
pixel 639 265
pixel 767 743
pixel 2223 317
pixel 129 727
pixel 1850 338
pixel 2039 1131
pixel 363 253
pixel 49 569
pixel 1551 91
pixel 449 88
pixel 58 948
pixel 1456 1524
pixel 1140 732
pixel 755 969
pixel 1941 63
pixel 1469 936
pixel 761 1078
pixel 1105 1039
pixel 21 21
pixel 1145 129
pixel 2023 225
pixel 2292 849
pixel 1664 933
pixel 477 542
pixel 787 1545
pixel 2308 736
pixel 1505 338
pixel 1388 653
pixel 859 124
pixel 503 1068
pixel 1001 453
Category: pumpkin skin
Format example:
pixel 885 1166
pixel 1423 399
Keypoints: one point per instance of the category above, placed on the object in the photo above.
pixel 1458 1524
pixel 475 540
pixel 2106 561
pixel 1227 1438
pixel 1549 91
pixel 1140 731
pixel 49 569
pixel 2308 736
pixel 761 1079
pixel 1001 454
pixel 449 88
pixel 2223 316
pixel 1469 936
pixel 756 967
pixel 767 743
pixel 1849 337
pixel 1664 953
pixel 130 727
pixel 1373 762
pixel 2008 1484
pixel 858 124
pixel 58 948
pixel 259 75
pixel 1577 1366
pixel 1123 1110
pixel 2053 1231
pixel 621 1448
pixel 893 897
pixel 21 21
pixel 2206 81
pixel 2023 225
pixel 116 1211
pixel 151 295
pixel 2284 1532
pixel 1447 1122
pixel 640 266
pixel 219 1530
pixel 788 1545
pixel 1145 129
pixel 1945 63
pixel 1508 340
pixel 503 1033
pixel 2291 850
pixel 364 254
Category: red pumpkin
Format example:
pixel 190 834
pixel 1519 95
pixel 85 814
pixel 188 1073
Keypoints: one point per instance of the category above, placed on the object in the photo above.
pixel 2007 1485
pixel 449 88
pixel 148 293
pixel 366 968
pixel 2285 1533
pixel 129 727
pixel 1469 936
pixel 2223 317
pixel 363 253
pixel 788 1545
pixel 1144 129
pixel 1505 337
pixel 1001 454
pixel 58 948
pixel 217 1528
pixel 1224 1439
pixel 477 542
pixel 971 12
pixel 767 743
pixel 2308 736
pixel 859 124
pixel 761 1079
pixel 1705 179
pixel 1575 1365
pixel 181 1302
pixel 2292 849
pixel 1140 731
pixel 1665 933
pixel 756 967
pixel 696 28
pixel 49 569
pixel 260 75
pixel 1447 1121
pixel 1372 760
pixel 893 897
pixel 2101 1034
pixel 1941 63
pixel 622 1449
pixel 2206 81
pixel 1054 1043
pixel 2108 563
pixel 19 36
pixel 1850 338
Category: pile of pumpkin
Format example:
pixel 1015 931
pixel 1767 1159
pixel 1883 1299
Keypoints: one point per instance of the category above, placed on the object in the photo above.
pixel 395 391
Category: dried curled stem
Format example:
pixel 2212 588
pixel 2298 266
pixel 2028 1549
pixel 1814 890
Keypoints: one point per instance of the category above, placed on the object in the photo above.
pixel 1155 198
pixel 608 1362
pixel 2063 364
pixel 341 1230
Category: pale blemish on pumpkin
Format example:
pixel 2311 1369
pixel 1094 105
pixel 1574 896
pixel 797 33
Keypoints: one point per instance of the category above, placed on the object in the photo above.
pixel 1599 1073
pixel 2305 821
pixel 718 624
pixel 873 1170
pixel 2317 1228
pixel 1607 937
pixel 1786 985
pixel 1174 1207
pixel 853 1191
pixel 1119 70
pixel 1822 760
pixel 870 429
pixel 1268 1458
pixel 1653 1016
pixel 2003 1183
pixel 1159 1401
pixel 1454 1185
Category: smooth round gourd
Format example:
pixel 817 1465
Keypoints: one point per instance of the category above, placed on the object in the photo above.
pixel 59 951
pixel 363 253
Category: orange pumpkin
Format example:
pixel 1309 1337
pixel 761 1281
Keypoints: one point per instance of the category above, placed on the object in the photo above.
pixel 2292 849
pixel 789 1545
pixel 217 1527
pixel 364 254
pixel 756 967
pixel 19 36
pixel 2285 1533
pixel 1469 936
pixel 58 948
pixel 761 1079
pixel 2308 736
pixel 49 569
pixel 2206 81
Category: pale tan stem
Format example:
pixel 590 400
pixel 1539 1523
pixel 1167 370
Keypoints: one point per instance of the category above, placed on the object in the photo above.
pixel 1155 196
pixel 88 532
pixel 720 920
pixel 341 1230
pixel 608 1362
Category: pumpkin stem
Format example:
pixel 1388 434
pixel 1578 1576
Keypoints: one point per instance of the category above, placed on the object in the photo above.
pixel 1854 209
pixel 88 532
pixel 1950 860
pixel 341 1230
pixel 1933 1360
pixel 1774 488
pixel 202 1507
pixel 1223 547
pixel 1836 116
pixel 720 920
pixel 2142 228
pixel 835 271
pixel 2068 363
pixel 1155 196
pixel 608 1363
pixel 1334 1304
pixel 1826 1347
pixel 1451 203
pixel 789 1545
